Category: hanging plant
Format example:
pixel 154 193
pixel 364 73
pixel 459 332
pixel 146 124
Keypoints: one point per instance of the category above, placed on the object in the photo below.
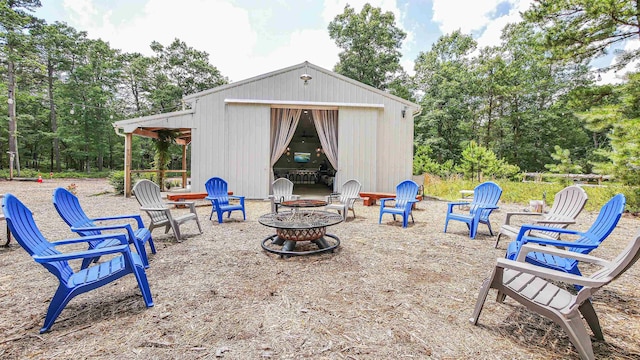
pixel 161 159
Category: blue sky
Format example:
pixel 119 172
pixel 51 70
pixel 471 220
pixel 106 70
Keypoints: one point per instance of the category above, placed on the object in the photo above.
pixel 245 38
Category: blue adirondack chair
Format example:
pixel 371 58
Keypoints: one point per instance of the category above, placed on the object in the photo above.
pixel 219 196
pixel 406 193
pixel 71 212
pixel 586 241
pixel 485 200
pixel 29 236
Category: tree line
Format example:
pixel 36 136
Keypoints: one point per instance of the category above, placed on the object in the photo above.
pixel 528 104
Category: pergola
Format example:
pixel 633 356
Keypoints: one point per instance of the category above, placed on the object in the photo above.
pixel 149 127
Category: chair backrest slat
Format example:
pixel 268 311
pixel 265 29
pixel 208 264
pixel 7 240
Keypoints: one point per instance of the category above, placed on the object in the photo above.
pixel 405 191
pixel 28 235
pixel 148 195
pixel 69 209
pixel 217 188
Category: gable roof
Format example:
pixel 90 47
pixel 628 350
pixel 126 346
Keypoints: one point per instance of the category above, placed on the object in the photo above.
pixel 305 65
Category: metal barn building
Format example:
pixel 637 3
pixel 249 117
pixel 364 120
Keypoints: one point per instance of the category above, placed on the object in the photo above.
pixel 289 122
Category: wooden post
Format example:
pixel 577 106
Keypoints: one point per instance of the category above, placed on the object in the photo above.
pixel 127 164
pixel 184 166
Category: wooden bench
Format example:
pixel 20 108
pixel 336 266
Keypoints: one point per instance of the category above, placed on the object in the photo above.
pixel 369 198
pixel 189 196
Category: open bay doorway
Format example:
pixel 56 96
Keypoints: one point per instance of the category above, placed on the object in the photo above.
pixel 306 159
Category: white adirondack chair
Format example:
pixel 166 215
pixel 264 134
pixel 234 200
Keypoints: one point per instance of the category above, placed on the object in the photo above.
pixel 282 191
pixel 567 204
pixel 533 286
pixel 345 200
pixel 148 195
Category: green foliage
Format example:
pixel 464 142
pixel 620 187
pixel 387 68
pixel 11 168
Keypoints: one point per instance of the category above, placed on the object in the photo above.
pixel 116 179
pixel 443 75
pixel 564 165
pixel 523 192
pixel 370 43
pixel 478 161
pixel 162 145
pixel 580 30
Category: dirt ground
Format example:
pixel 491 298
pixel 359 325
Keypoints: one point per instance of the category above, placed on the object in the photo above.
pixel 385 293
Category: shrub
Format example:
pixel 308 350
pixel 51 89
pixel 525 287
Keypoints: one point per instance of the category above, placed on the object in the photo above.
pixel 116 179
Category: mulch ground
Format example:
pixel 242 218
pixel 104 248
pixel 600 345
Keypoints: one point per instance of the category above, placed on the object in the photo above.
pixel 385 293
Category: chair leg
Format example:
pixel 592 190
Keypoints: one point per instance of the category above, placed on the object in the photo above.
pixel 143 283
pixel 482 297
pixel 578 335
pixel 151 244
pixel 446 223
pixel 589 314
pixel 497 240
pixel 198 222
pixel 219 216
pixel 57 304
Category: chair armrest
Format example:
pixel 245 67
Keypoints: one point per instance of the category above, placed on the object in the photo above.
pixel 549 274
pixel 144 208
pixel 112 227
pixel 488 207
pixel 136 217
pixel 559 222
pixel 120 237
pixel 551 250
pixel 179 202
pixel 527 227
pixel 541 241
pixel 507 219
pixel 236 197
pixel 82 254
pixel 458 203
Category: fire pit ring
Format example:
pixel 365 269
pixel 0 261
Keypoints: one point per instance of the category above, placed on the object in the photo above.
pixel 297 226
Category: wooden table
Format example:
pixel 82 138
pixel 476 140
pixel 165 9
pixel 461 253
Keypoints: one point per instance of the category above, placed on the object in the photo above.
pixel 369 198
pixel 188 196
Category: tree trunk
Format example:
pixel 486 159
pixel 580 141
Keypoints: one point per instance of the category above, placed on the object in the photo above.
pixel 13 123
pixel 55 146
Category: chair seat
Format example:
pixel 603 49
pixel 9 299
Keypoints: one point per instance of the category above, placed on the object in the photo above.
pixel 102 271
pixel 545 260
pixel 538 290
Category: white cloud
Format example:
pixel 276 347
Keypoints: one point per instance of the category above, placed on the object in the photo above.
pixel 219 27
pixel 475 16
pixel 619 76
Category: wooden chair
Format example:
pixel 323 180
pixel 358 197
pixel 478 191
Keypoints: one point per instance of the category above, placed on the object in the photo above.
pixel 73 283
pixel 405 197
pixel 567 204
pixel 346 199
pixel 282 191
pixel 584 243
pixel 150 199
pixel 534 287
pixel 69 209
pixel 218 195
pixel 485 200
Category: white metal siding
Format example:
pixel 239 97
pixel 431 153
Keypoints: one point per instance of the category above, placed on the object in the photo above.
pixel 357 142
pixel 248 153
pixel 232 140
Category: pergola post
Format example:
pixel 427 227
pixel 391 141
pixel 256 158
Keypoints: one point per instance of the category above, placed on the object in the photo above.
pixel 127 164
pixel 184 166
